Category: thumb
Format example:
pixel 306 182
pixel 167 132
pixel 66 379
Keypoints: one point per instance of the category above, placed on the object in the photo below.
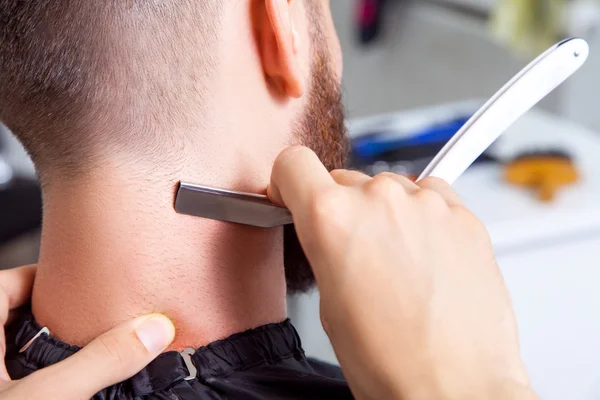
pixel 111 358
pixel 297 177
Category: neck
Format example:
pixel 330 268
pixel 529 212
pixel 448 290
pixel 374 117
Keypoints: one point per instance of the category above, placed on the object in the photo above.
pixel 114 249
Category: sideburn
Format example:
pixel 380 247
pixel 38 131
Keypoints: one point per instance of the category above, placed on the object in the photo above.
pixel 322 129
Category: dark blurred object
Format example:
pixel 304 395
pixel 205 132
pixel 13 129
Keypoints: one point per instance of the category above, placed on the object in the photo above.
pixel 369 17
pixel 24 250
pixel 544 171
pixel 384 151
pixel 20 209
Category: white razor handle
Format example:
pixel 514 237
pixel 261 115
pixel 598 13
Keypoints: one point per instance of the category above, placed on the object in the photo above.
pixel 515 98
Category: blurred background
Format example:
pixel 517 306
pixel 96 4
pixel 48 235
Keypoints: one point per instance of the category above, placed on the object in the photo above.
pixel 414 71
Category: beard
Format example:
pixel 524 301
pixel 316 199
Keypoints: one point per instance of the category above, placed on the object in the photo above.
pixel 321 129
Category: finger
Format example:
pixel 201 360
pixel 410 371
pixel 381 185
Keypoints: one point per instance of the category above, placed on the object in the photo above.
pixel 298 175
pixel 17 284
pixel 408 185
pixel 3 371
pixel 443 188
pixel 349 178
pixel 113 357
pixel 3 316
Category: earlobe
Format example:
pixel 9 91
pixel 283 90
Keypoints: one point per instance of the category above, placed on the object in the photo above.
pixel 280 48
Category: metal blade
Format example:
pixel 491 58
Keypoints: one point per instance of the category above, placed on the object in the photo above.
pixel 230 206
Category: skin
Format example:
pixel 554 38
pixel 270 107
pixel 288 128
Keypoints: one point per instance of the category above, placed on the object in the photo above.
pixel 111 358
pixel 424 316
pixel 116 224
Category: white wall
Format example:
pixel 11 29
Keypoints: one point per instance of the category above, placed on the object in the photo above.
pixel 581 93
pixel 428 55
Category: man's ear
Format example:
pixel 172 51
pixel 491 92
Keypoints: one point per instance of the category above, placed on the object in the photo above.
pixel 279 44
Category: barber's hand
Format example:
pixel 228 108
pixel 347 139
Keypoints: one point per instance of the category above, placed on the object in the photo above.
pixel 411 295
pixel 113 357
pixel 15 291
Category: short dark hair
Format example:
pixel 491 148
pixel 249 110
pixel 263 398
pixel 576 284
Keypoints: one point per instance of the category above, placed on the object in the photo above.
pixel 73 73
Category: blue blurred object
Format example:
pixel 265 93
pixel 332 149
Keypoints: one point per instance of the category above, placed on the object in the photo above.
pixel 405 151
pixel 371 145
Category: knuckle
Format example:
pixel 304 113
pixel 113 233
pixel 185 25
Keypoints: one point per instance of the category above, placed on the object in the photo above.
pixel 327 213
pixel 337 174
pixel 110 347
pixel 326 204
pixel 384 186
pixel 290 153
pixel 115 350
pixel 396 178
pixel 432 182
pixel 431 199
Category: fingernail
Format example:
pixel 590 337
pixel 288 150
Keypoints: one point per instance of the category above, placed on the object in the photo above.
pixel 156 333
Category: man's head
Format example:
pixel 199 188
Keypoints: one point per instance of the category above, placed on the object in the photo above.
pixel 217 86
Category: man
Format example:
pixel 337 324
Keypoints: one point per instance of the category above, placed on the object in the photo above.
pixel 116 101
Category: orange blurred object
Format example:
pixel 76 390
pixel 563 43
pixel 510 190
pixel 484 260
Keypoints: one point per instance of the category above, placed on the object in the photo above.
pixel 545 173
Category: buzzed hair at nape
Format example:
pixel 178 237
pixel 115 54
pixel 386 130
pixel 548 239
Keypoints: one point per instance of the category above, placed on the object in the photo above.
pixel 81 77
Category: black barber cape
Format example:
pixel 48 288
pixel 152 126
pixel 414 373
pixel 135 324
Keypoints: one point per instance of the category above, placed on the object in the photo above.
pixel 263 363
